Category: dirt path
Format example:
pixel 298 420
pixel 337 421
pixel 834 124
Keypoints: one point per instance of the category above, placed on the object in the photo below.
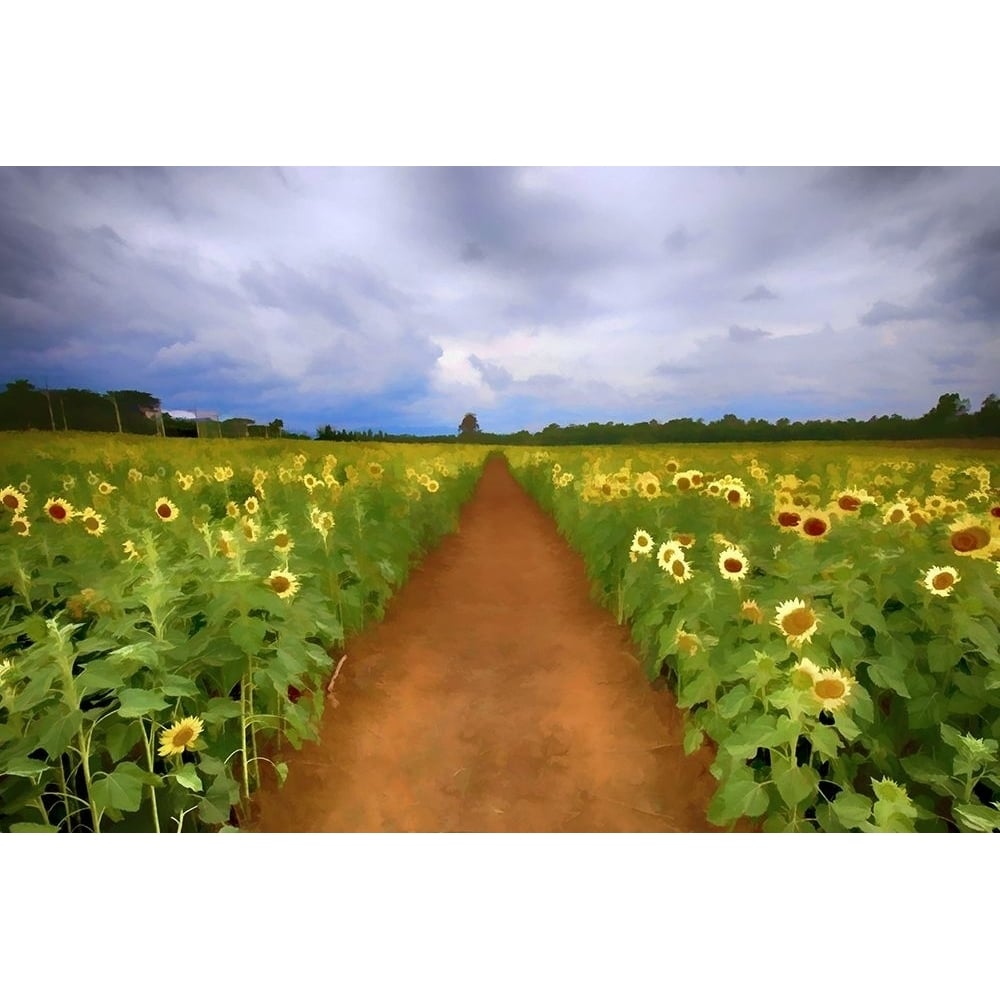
pixel 494 696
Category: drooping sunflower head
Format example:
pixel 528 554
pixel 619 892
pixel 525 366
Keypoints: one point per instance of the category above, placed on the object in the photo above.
pixel 804 674
pixel 165 510
pixel 666 554
pixel 284 583
pixel 733 564
pixel 832 688
pixel 59 510
pixel 750 611
pixel 687 642
pixel 796 621
pixel 180 736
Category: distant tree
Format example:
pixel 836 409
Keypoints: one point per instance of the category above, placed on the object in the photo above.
pixel 469 426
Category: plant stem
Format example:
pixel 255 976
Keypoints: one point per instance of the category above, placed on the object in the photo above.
pixel 243 736
pixel 84 744
pixel 65 795
pixel 148 743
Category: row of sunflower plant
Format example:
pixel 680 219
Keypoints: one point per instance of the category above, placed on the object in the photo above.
pixel 828 618
pixel 170 612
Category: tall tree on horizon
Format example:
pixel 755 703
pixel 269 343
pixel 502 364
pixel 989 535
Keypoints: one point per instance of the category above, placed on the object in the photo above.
pixel 469 426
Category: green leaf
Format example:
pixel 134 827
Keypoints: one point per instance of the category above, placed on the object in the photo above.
pixel 219 709
pixel 942 654
pixel 745 741
pixel 976 818
pixel 825 740
pixel 187 776
pixel 861 703
pixel 888 673
pixel 926 771
pixel 175 686
pixel 101 675
pixel 851 808
pixel 787 732
pixel 248 634
pixel 697 689
pixel 693 739
pixel 33 828
pixel 56 729
pixel 119 790
pixel 120 738
pixel 136 702
pixel 846 726
pixel 738 796
pixel 24 767
pixel 849 648
pixel 734 702
pixel 797 784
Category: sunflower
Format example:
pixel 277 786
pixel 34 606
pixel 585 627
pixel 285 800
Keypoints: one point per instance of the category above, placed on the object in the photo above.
pixel 310 482
pixel 832 688
pixel 106 488
pixel 375 470
pixel 251 531
pixel 672 466
pixel 92 522
pixel 750 611
pixel 165 510
pixel 642 543
pixel 940 580
pixel 849 501
pixel 815 525
pixel 682 480
pixel 433 486
pixel 687 642
pixel 679 568
pixel 969 537
pixel 59 510
pixel 668 551
pixel 180 736
pixel 259 478
pixel 282 541
pixel 787 518
pixel 733 564
pixel 283 583
pixel 796 621
pixel 225 545
pixel 186 482
pixel 134 476
pixel 804 674
pixel 222 472
pixel 647 485
pixel 251 505
pixel 20 525
pixel 684 540
pixel 737 495
pixel 12 500
pixel 895 513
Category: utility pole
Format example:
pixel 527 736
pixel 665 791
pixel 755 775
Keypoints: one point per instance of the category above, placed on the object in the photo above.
pixel 49 402
pixel 63 408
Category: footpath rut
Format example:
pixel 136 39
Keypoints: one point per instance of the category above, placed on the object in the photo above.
pixel 494 696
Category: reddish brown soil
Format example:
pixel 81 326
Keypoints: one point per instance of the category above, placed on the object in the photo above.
pixel 494 696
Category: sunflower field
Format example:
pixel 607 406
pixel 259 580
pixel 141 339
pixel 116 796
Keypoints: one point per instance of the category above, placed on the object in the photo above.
pixel 827 616
pixel 180 596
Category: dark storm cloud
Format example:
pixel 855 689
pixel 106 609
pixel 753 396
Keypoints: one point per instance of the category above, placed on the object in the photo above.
pixel 744 334
pixel 678 240
pixel 887 312
pixel 494 375
pixel 761 293
pixel 522 294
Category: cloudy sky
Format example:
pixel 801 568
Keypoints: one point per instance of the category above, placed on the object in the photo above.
pixel 402 298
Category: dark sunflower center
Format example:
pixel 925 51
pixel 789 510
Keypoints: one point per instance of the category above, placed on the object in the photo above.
pixel 683 483
pixel 163 510
pixel 814 527
pixel 799 621
pixel 848 503
pixel 896 516
pixel 20 527
pixel 942 581
pixel 281 540
pixel 183 736
pixel 58 512
pixel 969 540
pixel 280 584
pixel 11 501
pixel 788 519
pixel 830 687
pixel 733 565
pixel 92 524
pixel 678 568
